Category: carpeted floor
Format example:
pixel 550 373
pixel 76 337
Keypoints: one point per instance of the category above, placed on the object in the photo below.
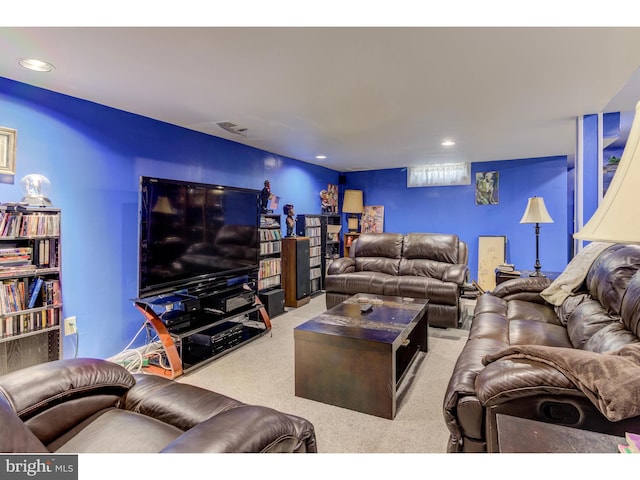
pixel 262 372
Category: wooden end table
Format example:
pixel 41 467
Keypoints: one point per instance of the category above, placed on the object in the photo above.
pixel 520 435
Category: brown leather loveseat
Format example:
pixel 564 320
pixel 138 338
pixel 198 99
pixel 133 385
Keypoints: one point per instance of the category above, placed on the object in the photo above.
pixel 95 406
pixel 417 265
pixel 565 352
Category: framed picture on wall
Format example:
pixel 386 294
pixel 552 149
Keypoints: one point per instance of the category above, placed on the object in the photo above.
pixel 8 150
pixel 487 188
pixel 372 219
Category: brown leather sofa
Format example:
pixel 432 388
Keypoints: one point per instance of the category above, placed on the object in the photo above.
pixel 418 265
pixel 552 353
pixel 95 406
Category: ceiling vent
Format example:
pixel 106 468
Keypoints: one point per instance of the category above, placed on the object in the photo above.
pixel 233 128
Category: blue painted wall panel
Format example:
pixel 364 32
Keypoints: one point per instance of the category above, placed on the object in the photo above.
pixel 590 171
pixel 94 156
pixel 453 210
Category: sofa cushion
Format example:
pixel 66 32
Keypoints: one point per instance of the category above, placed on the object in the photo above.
pixel 567 308
pixel 388 245
pixel 431 246
pixel 631 305
pixel 423 268
pixel 357 282
pixel 387 266
pixel 610 273
pixel 378 252
pixel 586 320
pixel 533 332
pixel 105 434
pixel 523 310
pixel 422 287
pixel 611 337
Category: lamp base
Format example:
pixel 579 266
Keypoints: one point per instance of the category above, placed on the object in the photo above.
pixel 36 201
pixel 537 273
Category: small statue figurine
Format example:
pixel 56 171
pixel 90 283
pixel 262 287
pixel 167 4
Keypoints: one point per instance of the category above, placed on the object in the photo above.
pixel 265 195
pixel 325 201
pixel 288 211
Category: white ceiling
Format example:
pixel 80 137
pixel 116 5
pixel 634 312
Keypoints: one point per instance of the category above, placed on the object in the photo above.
pixel 366 97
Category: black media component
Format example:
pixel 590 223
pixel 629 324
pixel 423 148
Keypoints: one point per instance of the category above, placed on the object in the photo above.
pixel 229 303
pixel 194 234
pixel 273 302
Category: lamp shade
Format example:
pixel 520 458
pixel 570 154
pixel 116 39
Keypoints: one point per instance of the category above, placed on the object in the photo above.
pixel 614 220
pixel 352 201
pixel 536 212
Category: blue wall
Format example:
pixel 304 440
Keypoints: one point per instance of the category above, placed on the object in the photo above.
pixel 94 156
pixel 453 210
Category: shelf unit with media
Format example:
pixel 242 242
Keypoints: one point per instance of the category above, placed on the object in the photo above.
pixel 311 226
pixel 270 231
pixel 30 288
pixel 330 232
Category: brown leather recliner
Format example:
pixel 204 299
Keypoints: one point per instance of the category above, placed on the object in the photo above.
pixel 549 362
pixel 417 265
pixel 96 406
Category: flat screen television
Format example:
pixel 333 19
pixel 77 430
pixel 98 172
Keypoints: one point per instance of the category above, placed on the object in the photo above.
pixel 193 234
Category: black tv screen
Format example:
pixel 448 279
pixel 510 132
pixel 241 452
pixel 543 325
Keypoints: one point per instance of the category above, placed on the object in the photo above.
pixel 192 233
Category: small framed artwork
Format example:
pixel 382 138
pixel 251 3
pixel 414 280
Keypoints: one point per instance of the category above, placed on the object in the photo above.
pixel 8 150
pixel 373 219
pixel 487 188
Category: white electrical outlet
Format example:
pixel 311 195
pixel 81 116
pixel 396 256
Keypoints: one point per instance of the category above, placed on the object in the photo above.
pixel 70 326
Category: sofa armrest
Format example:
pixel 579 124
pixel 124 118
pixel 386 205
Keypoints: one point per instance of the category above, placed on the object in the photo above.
pixel 342 265
pixel 510 379
pixel 35 389
pixel 457 273
pixel 247 429
pixel 528 288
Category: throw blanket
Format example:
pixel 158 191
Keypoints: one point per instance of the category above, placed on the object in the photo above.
pixel 573 275
pixel 611 381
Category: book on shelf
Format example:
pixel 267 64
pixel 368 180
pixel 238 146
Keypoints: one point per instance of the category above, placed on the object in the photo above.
pixel 514 274
pixel 34 291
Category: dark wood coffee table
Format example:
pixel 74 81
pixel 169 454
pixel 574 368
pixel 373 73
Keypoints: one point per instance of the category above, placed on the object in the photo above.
pixel 357 360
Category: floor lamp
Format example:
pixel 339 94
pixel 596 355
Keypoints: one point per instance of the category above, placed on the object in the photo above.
pixel 536 213
pixel 614 220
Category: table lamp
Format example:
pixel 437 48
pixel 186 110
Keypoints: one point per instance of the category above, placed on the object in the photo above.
pixel 536 212
pixel 35 188
pixel 353 205
pixel 614 220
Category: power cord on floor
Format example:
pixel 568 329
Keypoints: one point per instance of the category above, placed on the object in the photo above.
pixel 135 359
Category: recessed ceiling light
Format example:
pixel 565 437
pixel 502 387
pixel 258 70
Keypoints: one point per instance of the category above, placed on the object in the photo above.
pixel 36 65
pixel 321 157
pixel 448 143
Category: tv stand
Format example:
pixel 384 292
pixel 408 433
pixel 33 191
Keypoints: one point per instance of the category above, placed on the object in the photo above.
pixel 196 327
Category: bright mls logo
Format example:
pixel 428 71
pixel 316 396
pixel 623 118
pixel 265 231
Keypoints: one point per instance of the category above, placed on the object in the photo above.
pixel 52 467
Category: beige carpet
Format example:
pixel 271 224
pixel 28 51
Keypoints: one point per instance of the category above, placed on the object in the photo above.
pixel 262 372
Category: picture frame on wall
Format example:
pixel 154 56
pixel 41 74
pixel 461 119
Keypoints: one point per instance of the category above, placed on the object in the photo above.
pixel 487 188
pixel 8 150
pixel 372 219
